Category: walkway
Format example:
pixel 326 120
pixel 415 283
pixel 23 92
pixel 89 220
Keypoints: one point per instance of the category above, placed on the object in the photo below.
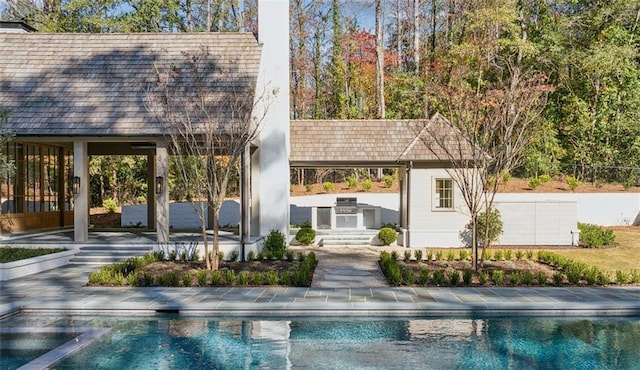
pixel 348 267
pixel 64 289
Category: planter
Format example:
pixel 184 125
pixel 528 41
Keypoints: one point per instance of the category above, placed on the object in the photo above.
pixel 30 266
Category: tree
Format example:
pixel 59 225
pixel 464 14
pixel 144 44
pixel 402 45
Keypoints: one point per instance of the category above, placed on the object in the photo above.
pixel 493 100
pixel 206 143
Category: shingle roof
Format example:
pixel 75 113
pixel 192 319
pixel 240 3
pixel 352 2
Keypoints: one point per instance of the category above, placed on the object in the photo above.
pixel 350 142
pixel 94 84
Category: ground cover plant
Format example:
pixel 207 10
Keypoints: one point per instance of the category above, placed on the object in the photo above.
pixel 160 269
pixel 15 254
pixel 505 268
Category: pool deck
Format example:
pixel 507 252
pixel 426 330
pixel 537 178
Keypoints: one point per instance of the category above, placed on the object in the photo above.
pixel 64 290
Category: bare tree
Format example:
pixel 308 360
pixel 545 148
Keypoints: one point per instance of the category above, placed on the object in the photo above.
pixel 205 137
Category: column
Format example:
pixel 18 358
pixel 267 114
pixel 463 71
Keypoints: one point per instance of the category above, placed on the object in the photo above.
pixel 151 192
pixel 81 200
pixel 162 199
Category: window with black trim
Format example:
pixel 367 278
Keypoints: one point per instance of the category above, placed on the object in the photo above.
pixel 443 194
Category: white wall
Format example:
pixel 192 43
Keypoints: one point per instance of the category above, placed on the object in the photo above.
pixel 537 222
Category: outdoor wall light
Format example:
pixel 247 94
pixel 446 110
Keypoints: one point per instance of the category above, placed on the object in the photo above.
pixel 159 184
pixel 75 189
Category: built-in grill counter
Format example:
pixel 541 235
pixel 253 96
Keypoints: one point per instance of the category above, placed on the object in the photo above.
pixel 346 213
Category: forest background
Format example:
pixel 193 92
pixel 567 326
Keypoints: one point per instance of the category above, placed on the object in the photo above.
pixel 400 59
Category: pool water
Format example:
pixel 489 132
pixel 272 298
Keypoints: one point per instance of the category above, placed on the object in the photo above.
pixel 18 348
pixel 172 342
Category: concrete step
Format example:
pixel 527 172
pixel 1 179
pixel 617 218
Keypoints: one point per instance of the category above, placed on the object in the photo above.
pixel 344 239
pixel 105 254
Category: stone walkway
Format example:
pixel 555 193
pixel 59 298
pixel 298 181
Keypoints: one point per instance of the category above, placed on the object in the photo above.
pixel 336 291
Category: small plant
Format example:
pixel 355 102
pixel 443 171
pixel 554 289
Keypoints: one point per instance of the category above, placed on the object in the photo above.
pixel 454 277
pixel 534 182
pixel 275 244
pixel 220 256
pixel 423 278
pixel 387 235
pixel 289 256
pixel 257 278
pixel 272 277
pixel 451 256
pixel 229 277
pixel 558 278
pixel 110 204
pixel 526 277
pixel 251 256
pixel 395 256
pixel 429 255
pixel 573 183
pixel 409 277
pixel 487 255
pixel 394 274
pixel 622 277
pixel 328 186
pixel 488 226
pixel 233 257
pixel 202 277
pixel 187 280
pixel 243 278
pixel 418 254
pixel 407 256
pixel 388 181
pixel 497 277
pixel 574 275
pixel 635 276
pixel 285 277
pixel 438 277
pixel 367 185
pixel 439 255
pixel 308 188
pixel 541 277
pixel 483 277
pixel 352 182
pixel 519 254
pixel 306 235
pixel 498 255
pixel 514 279
pixel 507 254
pixel 529 254
pixel 464 254
pixel 544 178
pixel 216 278
pixel 467 277
pixel 506 176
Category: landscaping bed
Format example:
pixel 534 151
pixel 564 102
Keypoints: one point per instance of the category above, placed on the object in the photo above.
pixel 502 268
pixel 15 254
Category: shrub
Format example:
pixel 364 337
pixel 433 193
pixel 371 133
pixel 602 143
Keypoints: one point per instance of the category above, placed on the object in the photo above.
pixel 429 255
pixel 622 277
pixel 497 277
pixel 507 254
pixel 275 244
pixel 395 256
pixel 438 277
pixel 439 255
pixel 328 186
pixel 591 275
pixel 558 278
pixel 409 277
pixel 573 183
pixel 526 277
pixel 498 255
pixel 233 257
pixel 352 182
pixel 216 278
pixel 454 277
pixel 15 254
pixel 367 185
pixel 229 277
pixel 423 278
pixel 257 278
pixel 388 181
pixel 519 254
pixel 544 178
pixel 534 182
pixel 451 256
pixel 418 254
pixel 467 277
pixel 202 277
pixel 574 274
pixel 506 176
pixel 483 277
pixel 407 255
pixel 529 254
pixel 514 278
pixel 594 236
pixel 306 235
pixel 272 277
pixel 289 256
pixel 110 204
pixel 387 235
pixel 187 279
pixel 394 274
pixel 464 254
pixel 308 187
pixel 635 276
pixel 243 278
pixel 494 225
pixel 541 277
pixel 251 256
pixel 487 255
pixel 285 277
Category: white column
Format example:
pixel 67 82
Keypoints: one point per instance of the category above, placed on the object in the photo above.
pixel 151 192
pixel 81 200
pixel 162 199
pixel 273 156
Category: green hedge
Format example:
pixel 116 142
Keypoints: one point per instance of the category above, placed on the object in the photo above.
pixel 16 254
pixel 594 236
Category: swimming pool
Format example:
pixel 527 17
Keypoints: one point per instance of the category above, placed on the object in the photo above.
pixel 173 342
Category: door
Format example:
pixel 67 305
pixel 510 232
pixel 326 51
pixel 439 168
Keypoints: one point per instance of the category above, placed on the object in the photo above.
pixel 324 217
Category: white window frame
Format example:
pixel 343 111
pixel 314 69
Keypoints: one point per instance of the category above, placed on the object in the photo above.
pixel 436 194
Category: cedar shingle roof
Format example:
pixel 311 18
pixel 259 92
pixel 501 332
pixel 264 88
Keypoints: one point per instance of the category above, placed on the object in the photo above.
pixel 94 84
pixel 349 142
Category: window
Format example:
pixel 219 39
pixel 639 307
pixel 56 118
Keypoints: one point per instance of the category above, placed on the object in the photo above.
pixel 443 194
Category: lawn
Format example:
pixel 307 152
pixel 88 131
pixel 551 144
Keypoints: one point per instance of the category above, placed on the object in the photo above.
pixel 623 257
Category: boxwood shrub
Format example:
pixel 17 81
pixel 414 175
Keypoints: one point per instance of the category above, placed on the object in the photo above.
pixel 387 235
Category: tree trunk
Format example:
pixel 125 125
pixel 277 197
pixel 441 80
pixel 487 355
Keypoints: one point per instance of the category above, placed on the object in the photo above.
pixel 416 36
pixel 380 61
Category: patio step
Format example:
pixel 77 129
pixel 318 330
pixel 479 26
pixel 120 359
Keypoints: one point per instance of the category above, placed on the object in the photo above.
pixel 346 239
pixel 106 254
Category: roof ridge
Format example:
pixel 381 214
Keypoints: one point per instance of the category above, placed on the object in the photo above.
pixel 417 137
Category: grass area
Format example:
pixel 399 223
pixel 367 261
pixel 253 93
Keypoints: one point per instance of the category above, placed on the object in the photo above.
pixel 16 254
pixel 623 257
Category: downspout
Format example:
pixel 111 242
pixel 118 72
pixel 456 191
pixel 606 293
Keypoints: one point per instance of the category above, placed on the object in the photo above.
pixel 409 204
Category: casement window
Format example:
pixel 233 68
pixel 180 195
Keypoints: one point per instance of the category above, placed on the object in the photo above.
pixel 443 194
